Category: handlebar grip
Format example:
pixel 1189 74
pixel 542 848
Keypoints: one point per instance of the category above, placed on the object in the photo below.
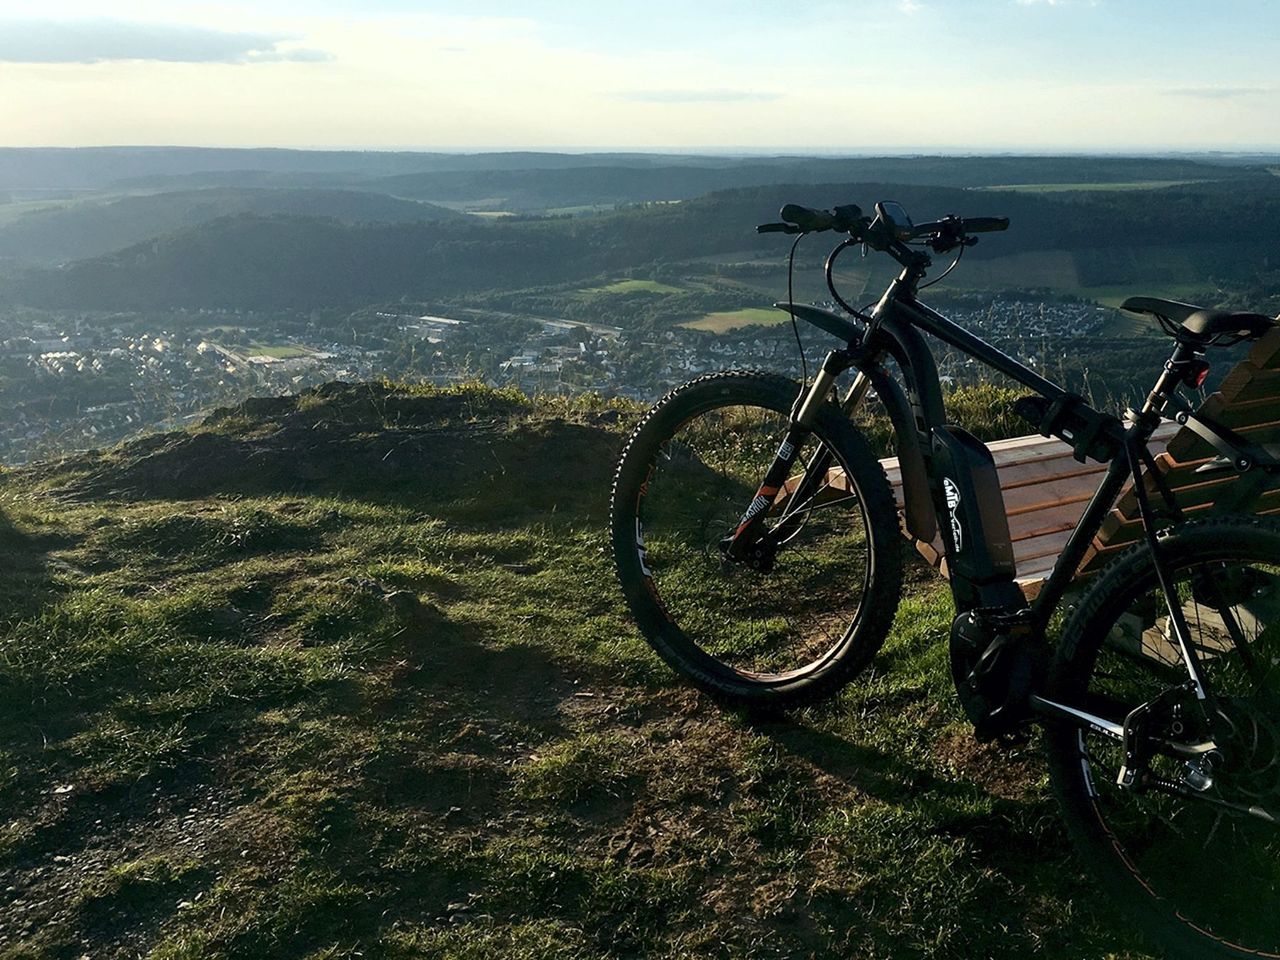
pixel 985 224
pixel 777 228
pixel 806 218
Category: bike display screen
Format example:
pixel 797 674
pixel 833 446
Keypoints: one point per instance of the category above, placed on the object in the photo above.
pixel 895 216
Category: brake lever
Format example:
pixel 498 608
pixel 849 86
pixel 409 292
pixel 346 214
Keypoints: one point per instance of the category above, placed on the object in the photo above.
pixel 940 244
pixel 778 228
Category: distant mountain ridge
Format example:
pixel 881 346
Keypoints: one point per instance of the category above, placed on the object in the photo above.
pixel 78 230
pixel 103 167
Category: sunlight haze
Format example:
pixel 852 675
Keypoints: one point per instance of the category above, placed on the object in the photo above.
pixel 1017 75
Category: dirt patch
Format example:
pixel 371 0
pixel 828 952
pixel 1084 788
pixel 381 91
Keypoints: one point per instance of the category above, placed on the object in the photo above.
pixel 1009 772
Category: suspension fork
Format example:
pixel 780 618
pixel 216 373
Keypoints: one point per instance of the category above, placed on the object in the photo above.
pixel 748 543
pixel 815 472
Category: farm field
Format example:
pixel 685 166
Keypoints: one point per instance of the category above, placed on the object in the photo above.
pixel 280 351
pixel 632 286
pixel 727 320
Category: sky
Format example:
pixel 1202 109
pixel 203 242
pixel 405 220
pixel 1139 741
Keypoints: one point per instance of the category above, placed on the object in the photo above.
pixel 806 76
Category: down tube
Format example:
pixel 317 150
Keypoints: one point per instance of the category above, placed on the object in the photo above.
pixel 1064 570
pixel 934 323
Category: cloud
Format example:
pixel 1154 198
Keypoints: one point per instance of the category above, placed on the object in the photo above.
pixel 96 41
pixel 693 96
pixel 1218 93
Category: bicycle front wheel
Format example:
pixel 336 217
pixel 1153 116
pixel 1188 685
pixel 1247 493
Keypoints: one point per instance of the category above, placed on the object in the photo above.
pixel 794 632
pixel 1194 853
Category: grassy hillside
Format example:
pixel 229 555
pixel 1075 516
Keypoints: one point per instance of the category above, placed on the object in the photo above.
pixel 346 675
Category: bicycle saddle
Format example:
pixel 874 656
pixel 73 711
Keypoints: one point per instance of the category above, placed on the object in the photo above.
pixel 1201 325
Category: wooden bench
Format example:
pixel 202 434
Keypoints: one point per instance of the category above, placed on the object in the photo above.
pixel 1045 489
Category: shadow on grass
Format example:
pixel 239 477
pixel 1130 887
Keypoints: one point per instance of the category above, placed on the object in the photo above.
pixel 26 583
pixel 426 731
pixel 1020 839
pixel 889 778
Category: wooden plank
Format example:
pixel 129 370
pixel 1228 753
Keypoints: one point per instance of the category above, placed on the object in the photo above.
pixel 1188 446
pixel 1265 353
pixel 1248 382
pixel 1042 522
pixel 1101 552
pixel 1050 494
pixel 1050 544
pixel 932 552
pixel 1217 407
pixel 1039 471
pixel 1037 567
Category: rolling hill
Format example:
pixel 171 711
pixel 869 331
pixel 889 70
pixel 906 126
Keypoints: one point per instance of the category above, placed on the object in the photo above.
pixel 1225 233
pixel 88 227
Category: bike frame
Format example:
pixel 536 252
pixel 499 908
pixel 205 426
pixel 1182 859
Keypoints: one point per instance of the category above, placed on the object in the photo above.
pixel 916 410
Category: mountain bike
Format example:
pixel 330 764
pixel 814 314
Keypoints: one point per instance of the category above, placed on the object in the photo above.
pixel 758 545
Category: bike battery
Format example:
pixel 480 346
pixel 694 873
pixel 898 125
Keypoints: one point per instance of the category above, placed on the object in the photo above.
pixel 975 525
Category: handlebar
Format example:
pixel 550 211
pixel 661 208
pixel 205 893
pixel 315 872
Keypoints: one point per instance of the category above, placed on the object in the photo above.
pixel 940 234
pixel 985 224
pixel 960 226
pixel 798 219
pixel 889 231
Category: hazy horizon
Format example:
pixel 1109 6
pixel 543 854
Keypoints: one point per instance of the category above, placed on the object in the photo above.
pixel 908 76
pixel 728 152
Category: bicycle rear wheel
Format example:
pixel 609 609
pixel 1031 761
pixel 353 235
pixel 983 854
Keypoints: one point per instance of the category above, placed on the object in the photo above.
pixel 1199 870
pixel 790 634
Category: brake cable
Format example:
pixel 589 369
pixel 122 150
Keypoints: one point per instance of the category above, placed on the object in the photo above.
pixel 831 284
pixel 791 308
pixel 942 276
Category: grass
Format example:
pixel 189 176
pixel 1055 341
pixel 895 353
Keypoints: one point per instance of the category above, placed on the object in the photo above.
pixel 733 319
pixel 334 716
pixel 281 351
pixel 632 286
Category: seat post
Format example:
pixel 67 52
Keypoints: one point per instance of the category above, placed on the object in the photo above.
pixel 1175 372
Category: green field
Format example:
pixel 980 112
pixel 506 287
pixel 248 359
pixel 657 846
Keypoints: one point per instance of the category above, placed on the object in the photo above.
pixel 631 286
pixel 579 209
pixel 1113 296
pixel 281 351
pixel 733 319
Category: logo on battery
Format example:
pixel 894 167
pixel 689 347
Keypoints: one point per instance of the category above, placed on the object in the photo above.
pixel 953 508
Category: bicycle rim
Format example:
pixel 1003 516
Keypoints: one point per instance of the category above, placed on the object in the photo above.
pixel 767 626
pixel 1212 868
